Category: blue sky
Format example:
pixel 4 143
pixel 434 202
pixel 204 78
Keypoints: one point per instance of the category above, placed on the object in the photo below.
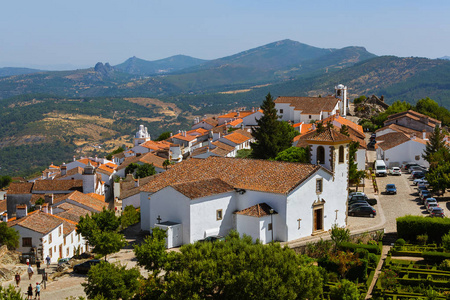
pixel 65 34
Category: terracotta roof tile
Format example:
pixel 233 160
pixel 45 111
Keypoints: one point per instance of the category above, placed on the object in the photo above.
pixel 68 225
pixel 147 158
pixel 97 196
pixel 415 116
pixel 327 135
pixel 236 138
pixel 235 122
pixel 58 185
pixel 220 152
pixel 211 121
pixel 258 210
pixel 240 114
pixel 20 188
pixel 344 121
pixel 258 175
pixel 2 205
pixel 87 160
pixel 202 188
pixel 153 145
pixel 310 105
pixel 86 200
pixel 223 146
pixel 39 222
pixel 392 139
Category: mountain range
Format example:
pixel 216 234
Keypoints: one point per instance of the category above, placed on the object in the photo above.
pixel 48 116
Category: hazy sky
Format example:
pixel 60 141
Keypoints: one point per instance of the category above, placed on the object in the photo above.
pixel 65 33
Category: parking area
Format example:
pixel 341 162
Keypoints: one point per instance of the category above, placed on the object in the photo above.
pixel 389 207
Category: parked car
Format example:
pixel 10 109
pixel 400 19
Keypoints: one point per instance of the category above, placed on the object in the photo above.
pixel 431 205
pixel 391 189
pixel 423 184
pixel 415 168
pixel 395 171
pixel 358 204
pixel 419 180
pixel 371 201
pixel 63 260
pixel 437 212
pixel 86 266
pixel 424 194
pixel 408 165
pixel 363 211
pixel 421 188
pixel 417 174
pixel 350 195
pixel 429 200
pixel 213 238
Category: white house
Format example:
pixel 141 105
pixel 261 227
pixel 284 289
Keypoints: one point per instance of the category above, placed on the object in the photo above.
pixel 202 197
pixel 48 234
pixel 396 148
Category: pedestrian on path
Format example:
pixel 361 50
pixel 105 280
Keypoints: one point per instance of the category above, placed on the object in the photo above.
pixel 17 278
pixel 38 291
pixel 30 291
pixel 30 272
pixel 47 259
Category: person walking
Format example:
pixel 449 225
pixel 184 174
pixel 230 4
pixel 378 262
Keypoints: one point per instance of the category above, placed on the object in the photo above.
pixel 30 291
pixel 38 291
pixel 48 259
pixel 17 278
pixel 30 272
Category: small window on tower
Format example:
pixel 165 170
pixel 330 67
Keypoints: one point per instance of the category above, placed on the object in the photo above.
pixel 281 111
pixel 338 92
pixel 310 116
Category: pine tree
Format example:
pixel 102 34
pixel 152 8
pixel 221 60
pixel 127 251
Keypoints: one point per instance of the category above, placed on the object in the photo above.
pixel 271 136
pixel 435 144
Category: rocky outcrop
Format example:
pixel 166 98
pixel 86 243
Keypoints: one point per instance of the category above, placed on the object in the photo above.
pixel 370 107
pixel 104 69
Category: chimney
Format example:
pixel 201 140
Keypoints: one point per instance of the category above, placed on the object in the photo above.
pixel 63 169
pixel 4 217
pixel 253 109
pixel 171 134
pixel 21 211
pixel 424 135
pixel 74 158
pixel 50 209
pixel 413 136
pixel 238 114
pixel 45 208
pixel 48 198
pixel 313 126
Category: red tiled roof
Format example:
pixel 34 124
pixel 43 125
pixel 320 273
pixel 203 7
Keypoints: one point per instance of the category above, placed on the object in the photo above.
pixel 72 212
pixel 87 200
pixel 39 222
pixel 236 138
pixel 240 114
pixel 147 158
pixel 223 146
pixel 154 145
pixel 20 188
pixel 258 210
pixel 57 185
pixel 415 116
pixel 327 135
pixel 310 105
pixel 259 175
pixel 235 122
pixel 344 121
pixel 211 121
pixel 392 139
pixel 2 205
pixel 202 188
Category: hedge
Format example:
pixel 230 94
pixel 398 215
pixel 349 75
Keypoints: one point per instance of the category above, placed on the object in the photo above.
pixel 409 227
pixel 406 253
pixel 435 256
pixel 352 247
pixel 355 273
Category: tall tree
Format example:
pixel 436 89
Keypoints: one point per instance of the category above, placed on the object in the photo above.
pixel 435 144
pixel 293 154
pixel 107 242
pixel 354 175
pixel 271 136
pixel 151 254
pixel 9 236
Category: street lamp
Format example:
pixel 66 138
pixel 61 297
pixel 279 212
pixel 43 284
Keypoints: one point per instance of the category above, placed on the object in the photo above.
pixel 271 220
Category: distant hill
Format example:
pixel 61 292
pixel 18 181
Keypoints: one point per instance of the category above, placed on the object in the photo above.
pixel 171 64
pixel 445 57
pixel 10 71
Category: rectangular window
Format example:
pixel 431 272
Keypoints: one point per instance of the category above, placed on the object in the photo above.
pixel 281 111
pixel 50 252
pixel 319 186
pixel 269 226
pixel 71 238
pixel 59 231
pixel 310 116
pixel 219 214
pixel 26 242
pixel 50 238
pixel 78 237
pixel 64 241
pixel 67 252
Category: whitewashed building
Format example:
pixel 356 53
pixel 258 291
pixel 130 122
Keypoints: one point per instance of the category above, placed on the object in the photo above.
pixel 202 197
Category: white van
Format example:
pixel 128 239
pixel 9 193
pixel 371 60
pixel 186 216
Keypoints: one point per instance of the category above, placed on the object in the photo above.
pixel 380 168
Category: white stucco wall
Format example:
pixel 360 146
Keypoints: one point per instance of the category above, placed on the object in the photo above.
pixel 250 120
pixel 249 226
pixel 305 118
pixel 203 125
pixel 134 200
pixel 203 215
pixel 288 111
pixel 361 159
pixel 406 152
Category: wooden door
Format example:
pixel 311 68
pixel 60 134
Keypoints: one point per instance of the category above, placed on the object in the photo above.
pixel 318 219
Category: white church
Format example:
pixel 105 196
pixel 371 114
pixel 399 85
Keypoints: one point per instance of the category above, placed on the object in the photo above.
pixel 267 200
pixel 309 109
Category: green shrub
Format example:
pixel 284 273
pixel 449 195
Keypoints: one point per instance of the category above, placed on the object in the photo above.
pixel 435 256
pixel 446 241
pixel 352 247
pixel 373 260
pixel 345 290
pixel 400 242
pixel 445 265
pixel 358 273
pixel 409 227
pixel 422 239
pixel 362 253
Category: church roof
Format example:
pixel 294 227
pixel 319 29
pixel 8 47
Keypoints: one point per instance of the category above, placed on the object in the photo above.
pixel 253 174
pixel 258 210
pixel 328 135
pixel 203 188
pixel 310 105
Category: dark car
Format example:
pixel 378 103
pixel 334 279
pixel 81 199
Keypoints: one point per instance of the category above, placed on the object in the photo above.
pixel 363 211
pixel 86 266
pixel 391 189
pixel 371 201
pixel 419 174
pixel 371 144
pixel 424 194
pixel 213 238
pixel 354 205
pixel 437 212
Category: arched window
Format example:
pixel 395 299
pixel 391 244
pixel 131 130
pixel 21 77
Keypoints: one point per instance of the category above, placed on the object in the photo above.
pixel 320 155
pixel 341 154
